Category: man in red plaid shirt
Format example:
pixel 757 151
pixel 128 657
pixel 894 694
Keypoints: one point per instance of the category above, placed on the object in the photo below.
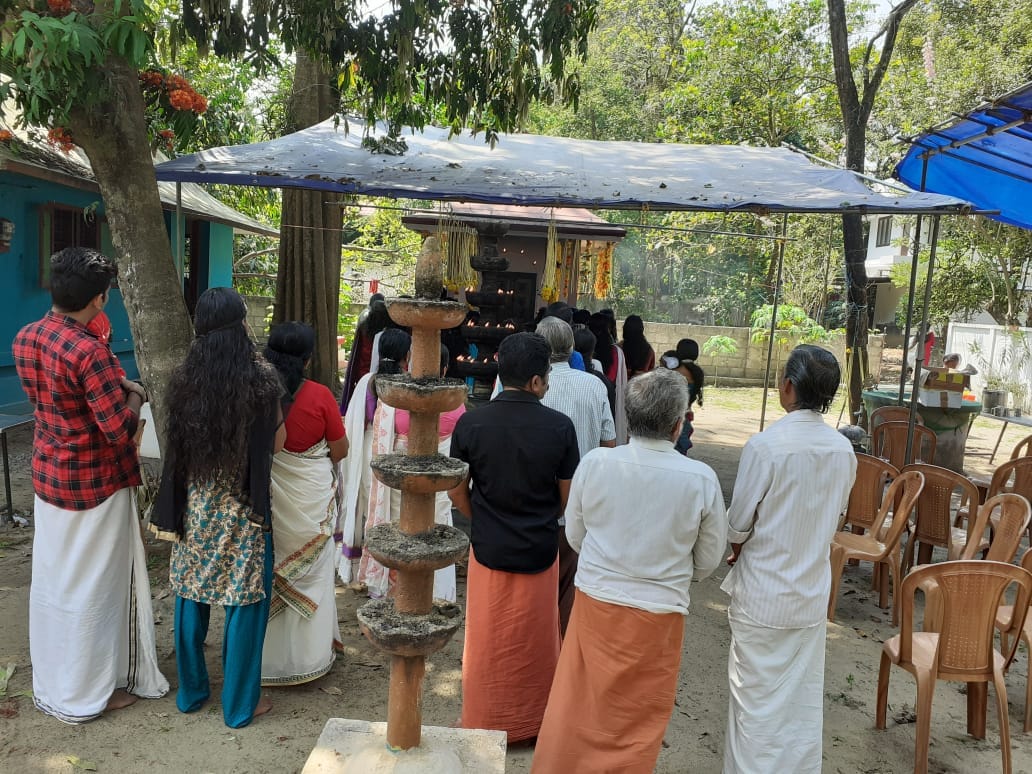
pixel 91 634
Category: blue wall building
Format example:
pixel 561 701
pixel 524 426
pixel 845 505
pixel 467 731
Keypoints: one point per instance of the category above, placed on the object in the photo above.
pixel 53 202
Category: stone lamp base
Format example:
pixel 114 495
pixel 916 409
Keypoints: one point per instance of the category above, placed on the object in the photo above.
pixel 360 747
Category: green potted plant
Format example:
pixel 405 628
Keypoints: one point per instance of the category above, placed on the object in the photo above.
pixel 993 393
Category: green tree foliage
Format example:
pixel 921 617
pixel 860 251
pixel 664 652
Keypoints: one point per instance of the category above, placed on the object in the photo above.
pixel 980 265
pixel 76 63
pixel 753 72
pixel 724 72
pixel 792 323
pixel 717 347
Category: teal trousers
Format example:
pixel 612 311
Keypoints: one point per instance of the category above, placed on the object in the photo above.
pixel 242 640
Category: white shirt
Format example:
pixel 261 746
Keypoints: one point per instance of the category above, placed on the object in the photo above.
pixel 646 521
pixel 584 399
pixel 793 484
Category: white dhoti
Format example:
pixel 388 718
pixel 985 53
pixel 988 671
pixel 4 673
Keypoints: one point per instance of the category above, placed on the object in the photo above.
pixel 91 626
pixel 776 707
pixel 303 630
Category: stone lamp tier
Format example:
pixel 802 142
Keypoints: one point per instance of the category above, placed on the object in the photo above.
pixel 421 313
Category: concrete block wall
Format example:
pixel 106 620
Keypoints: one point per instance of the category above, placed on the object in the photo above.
pixel 259 309
pixel 746 367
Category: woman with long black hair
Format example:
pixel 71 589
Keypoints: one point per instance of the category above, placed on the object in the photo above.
pixel 639 354
pixel 224 423
pixel 362 359
pixel 303 633
pixel 611 357
pixel 391 357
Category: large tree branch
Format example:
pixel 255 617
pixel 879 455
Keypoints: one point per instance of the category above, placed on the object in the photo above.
pixel 845 84
pixel 889 31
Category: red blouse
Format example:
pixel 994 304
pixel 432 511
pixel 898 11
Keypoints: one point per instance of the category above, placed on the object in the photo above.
pixel 313 416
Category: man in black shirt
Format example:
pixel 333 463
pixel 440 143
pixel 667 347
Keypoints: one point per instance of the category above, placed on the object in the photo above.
pixel 521 458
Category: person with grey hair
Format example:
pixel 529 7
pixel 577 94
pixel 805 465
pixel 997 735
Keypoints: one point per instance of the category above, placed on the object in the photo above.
pixel 636 566
pixel 793 484
pixel 584 399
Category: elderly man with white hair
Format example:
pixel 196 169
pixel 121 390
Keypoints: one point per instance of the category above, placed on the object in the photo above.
pixel 646 521
pixel 584 399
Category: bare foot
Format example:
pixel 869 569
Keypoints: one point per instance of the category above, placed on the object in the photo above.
pixel 120 699
pixel 264 705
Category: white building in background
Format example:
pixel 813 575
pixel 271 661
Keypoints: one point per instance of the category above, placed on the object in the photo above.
pixel 889 242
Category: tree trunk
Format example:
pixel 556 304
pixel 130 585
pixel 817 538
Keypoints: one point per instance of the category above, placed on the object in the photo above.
pixel 308 280
pixel 855 251
pixel 855 106
pixel 114 137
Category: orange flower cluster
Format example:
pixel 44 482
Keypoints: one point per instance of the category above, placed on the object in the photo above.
pixel 181 95
pixel 61 138
pixel 152 79
pixel 168 138
pixel 59 7
pixel 5 135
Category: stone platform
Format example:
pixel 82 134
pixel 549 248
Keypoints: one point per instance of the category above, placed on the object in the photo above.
pixel 347 746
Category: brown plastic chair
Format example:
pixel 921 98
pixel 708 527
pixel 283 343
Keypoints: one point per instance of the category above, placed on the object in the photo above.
pixel 1005 623
pixel 889 441
pixel 881 549
pixel 933 516
pixel 1023 448
pixel 1013 476
pixel 1013 519
pixel 962 651
pixel 865 498
pixel 873 475
pixel 891 414
pixel 1015 513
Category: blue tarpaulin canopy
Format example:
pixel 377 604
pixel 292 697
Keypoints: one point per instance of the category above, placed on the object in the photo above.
pixel 984 157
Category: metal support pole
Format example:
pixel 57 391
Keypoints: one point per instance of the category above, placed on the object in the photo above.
pixel 180 235
pixel 780 250
pixel 913 290
pixel 910 310
pixel 919 361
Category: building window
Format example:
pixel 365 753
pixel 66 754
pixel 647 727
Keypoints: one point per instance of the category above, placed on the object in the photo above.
pixel 61 226
pixel 884 236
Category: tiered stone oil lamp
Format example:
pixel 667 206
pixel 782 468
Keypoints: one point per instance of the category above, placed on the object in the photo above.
pixel 411 624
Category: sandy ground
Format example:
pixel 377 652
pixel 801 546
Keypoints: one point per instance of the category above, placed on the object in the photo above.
pixel 153 737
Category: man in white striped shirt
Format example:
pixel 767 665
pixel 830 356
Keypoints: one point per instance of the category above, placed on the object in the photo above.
pixel 793 483
pixel 582 398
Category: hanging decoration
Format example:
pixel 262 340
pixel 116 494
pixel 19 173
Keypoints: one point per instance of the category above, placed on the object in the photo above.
pixel 570 254
pixel 604 271
pixel 549 278
pixel 458 243
pixel 586 276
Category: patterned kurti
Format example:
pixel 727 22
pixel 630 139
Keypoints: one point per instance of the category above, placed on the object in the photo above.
pixel 221 557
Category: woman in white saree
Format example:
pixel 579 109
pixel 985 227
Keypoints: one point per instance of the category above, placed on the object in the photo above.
pixel 303 632
pixel 387 432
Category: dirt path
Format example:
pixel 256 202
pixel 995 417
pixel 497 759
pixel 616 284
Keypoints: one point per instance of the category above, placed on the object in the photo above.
pixel 153 737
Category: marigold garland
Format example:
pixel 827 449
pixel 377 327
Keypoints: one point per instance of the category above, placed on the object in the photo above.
pixel 604 272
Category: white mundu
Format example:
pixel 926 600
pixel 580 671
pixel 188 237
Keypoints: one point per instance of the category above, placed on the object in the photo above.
pixel 793 483
pixel 91 627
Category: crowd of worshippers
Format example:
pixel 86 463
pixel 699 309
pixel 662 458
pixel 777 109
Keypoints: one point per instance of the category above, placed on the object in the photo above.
pixel 589 521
